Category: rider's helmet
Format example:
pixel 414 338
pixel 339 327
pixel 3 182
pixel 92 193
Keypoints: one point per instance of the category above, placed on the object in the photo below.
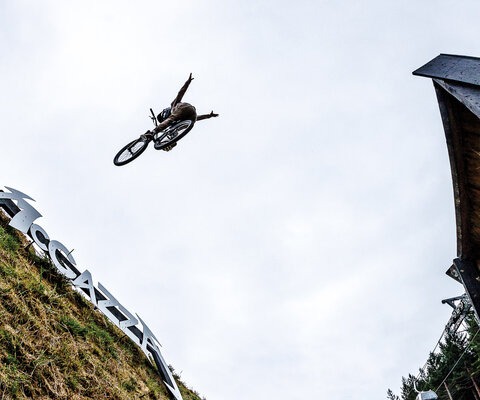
pixel 164 114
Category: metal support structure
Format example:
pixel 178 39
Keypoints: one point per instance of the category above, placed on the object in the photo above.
pixel 461 308
pixel 451 301
pixel 470 278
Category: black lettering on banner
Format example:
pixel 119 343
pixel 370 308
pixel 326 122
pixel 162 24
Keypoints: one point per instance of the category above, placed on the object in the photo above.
pixel 84 281
pixel 39 236
pixel 116 312
pixel 56 250
pixel 26 215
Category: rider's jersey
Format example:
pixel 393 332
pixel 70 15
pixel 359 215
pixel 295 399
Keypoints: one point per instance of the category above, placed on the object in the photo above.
pixel 181 110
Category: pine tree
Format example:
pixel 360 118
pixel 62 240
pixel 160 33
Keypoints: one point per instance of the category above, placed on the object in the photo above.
pixel 456 364
pixel 391 395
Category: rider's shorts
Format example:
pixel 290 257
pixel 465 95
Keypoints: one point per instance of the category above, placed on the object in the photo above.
pixel 184 111
pixel 180 112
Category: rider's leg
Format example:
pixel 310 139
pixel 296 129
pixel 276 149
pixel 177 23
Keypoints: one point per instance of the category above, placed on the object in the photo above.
pixel 164 124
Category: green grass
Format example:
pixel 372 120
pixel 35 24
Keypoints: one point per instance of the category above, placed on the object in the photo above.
pixel 54 345
pixel 8 241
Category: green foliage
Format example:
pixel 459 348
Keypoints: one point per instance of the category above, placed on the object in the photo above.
pixel 391 395
pixel 73 326
pixel 72 382
pixel 129 385
pixel 456 364
pixel 102 337
pixel 8 241
pixel 53 344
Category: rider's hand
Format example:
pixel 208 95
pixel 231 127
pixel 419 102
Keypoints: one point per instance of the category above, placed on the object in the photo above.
pixel 190 77
pixel 213 115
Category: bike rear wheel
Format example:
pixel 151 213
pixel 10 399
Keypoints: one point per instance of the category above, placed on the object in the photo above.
pixel 173 134
pixel 131 151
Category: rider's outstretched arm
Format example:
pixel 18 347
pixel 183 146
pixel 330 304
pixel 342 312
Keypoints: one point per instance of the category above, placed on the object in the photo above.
pixel 205 116
pixel 182 91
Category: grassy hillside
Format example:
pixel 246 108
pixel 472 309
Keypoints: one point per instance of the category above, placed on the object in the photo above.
pixel 53 345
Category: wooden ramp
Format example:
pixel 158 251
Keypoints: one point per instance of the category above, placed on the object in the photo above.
pixel 457 84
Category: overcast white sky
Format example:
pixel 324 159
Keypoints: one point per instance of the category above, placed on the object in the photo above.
pixel 294 247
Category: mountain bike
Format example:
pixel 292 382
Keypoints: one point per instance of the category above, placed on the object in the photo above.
pixel 163 140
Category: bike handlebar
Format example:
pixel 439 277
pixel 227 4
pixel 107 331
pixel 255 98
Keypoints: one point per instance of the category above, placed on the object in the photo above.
pixel 153 118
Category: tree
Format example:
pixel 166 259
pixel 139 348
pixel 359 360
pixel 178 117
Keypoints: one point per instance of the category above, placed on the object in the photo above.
pixel 456 363
pixel 391 395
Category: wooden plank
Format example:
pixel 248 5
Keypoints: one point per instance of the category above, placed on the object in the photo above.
pixel 449 110
pixel 453 68
pixel 465 94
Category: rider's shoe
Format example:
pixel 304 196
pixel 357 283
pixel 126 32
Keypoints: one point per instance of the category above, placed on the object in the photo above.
pixel 168 148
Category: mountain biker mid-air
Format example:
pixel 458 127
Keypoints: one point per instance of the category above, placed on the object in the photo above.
pixel 178 111
pixel 171 125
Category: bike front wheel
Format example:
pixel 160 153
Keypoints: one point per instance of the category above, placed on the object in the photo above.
pixel 173 134
pixel 131 151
